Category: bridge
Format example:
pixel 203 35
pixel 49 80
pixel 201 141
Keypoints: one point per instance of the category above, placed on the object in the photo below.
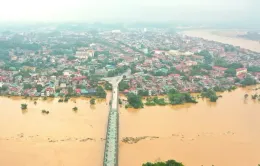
pixel 111 145
pixel 112 135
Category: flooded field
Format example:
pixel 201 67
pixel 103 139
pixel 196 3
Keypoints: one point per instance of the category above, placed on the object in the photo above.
pixel 62 138
pixel 222 134
pixel 225 37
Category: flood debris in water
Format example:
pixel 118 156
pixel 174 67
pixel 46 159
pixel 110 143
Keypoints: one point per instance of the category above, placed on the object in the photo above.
pixel 133 140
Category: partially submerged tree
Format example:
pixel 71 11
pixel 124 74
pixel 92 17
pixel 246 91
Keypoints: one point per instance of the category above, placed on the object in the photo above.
pixel 23 106
pixel 92 101
pixel 45 112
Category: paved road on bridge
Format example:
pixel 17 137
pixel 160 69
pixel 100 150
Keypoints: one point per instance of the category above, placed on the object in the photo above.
pixel 111 146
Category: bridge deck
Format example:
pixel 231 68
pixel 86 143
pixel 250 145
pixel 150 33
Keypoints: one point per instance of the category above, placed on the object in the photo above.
pixel 111 146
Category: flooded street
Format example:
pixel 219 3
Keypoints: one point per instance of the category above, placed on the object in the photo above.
pixel 220 36
pixel 196 134
pixel 61 138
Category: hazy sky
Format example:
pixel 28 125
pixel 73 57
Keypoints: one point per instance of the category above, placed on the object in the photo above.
pixel 129 10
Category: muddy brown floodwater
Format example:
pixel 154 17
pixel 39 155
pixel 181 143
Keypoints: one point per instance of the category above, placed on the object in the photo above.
pixel 226 133
pixel 220 36
pixel 61 138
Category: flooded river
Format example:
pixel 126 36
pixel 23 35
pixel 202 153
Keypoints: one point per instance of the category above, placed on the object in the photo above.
pixel 223 37
pixel 224 133
pixel 61 138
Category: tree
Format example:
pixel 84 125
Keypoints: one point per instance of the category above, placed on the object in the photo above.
pixel 150 101
pixel 123 85
pixel 45 112
pixel 39 87
pixel 167 163
pixel 66 99
pixel 60 100
pixel 211 94
pixel 207 56
pixel 101 92
pixel 4 88
pixel 70 90
pixel 27 86
pixel 231 72
pixel 220 62
pixel 92 101
pixel 205 66
pixel 108 86
pixel 248 81
pixel 75 108
pixel 111 73
pixel 70 58
pixel 120 101
pixel 254 96
pixel 143 92
pixel 254 69
pixel 235 65
pixel 213 98
pixel 229 48
pixel 159 101
pixel 176 97
pixel 23 106
pixel 134 100
pixel 58 90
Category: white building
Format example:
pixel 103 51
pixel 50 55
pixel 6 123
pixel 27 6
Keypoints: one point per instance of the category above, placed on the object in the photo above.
pixel 145 50
pixel 53 78
pixel 84 53
pixel 63 85
pixel 66 73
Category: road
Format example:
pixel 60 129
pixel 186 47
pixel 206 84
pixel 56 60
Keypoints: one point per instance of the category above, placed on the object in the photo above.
pixel 114 81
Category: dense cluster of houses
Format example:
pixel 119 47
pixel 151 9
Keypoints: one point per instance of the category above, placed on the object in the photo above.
pixel 159 61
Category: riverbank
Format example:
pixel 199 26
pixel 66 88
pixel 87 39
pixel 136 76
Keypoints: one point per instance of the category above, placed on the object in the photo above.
pixel 227 38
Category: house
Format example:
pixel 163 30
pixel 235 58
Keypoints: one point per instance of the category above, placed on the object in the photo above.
pixel 49 91
pixel 78 91
pixel 174 75
pixel 88 91
pixel 29 68
pixel 150 92
pixel 63 85
pixel 219 69
pixel 158 52
pixel 240 71
pixel 53 78
pixel 66 73
pixel 190 63
pixel 14 58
